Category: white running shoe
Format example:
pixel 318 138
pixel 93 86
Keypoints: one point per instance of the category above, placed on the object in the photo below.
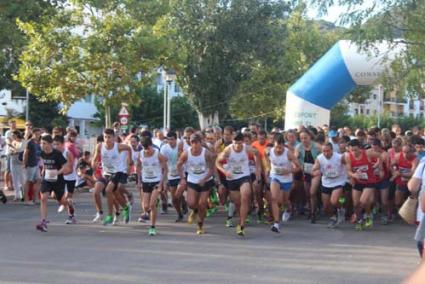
pixel 286 216
pixel 98 217
pixel 61 208
pixel 115 221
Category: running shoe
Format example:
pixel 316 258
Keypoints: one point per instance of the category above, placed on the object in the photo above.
pixel 286 216
pixel 152 231
pixel 61 208
pixel 42 227
pixel 384 220
pixel 179 219
pixel 313 218
pixel 333 222
pixel 143 218
pixel 260 219
pixel 368 222
pixel 126 215
pixel 359 225
pixel 3 197
pixel 275 228
pixel 229 223
pixel 240 231
pixel 200 230
pixel 116 220
pixel 98 217
pixel 193 216
pixel 108 220
pixel 71 220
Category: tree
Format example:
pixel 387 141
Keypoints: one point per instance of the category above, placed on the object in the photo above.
pixel 12 39
pixel 46 114
pixel 109 48
pixel 216 44
pixel 401 24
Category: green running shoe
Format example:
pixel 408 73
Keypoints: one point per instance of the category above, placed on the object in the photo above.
pixel 359 225
pixel 126 215
pixel 108 220
pixel 229 223
pixel 368 223
pixel 249 219
pixel 152 231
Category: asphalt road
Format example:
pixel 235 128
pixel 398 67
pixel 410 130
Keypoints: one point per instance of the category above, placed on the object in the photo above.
pixel 92 253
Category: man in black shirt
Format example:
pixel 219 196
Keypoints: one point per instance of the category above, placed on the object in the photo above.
pixel 54 167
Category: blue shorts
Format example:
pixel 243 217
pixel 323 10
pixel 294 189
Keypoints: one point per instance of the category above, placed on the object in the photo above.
pixel 284 186
pixel 402 188
pixel 383 184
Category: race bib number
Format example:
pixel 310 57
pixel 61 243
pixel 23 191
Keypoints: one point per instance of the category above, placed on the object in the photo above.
pixel 198 169
pixel 281 171
pixel 363 176
pixel 308 168
pixel 237 169
pixel 51 175
pixel 173 172
pixel 149 172
pixel 331 173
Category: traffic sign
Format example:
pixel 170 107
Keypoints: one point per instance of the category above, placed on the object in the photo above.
pixel 124 120
pixel 123 111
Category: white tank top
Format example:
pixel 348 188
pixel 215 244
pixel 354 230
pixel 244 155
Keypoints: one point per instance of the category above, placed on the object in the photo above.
pixel 123 168
pixel 151 167
pixel 279 164
pixel 171 155
pixel 110 159
pixel 196 166
pixel 238 163
pixel 73 175
pixel 333 171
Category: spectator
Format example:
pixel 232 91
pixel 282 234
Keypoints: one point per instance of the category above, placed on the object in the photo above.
pixel 16 151
pixel 31 170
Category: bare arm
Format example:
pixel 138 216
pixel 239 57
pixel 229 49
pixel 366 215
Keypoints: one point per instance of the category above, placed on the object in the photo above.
pixel 95 157
pixel 182 160
pixel 164 167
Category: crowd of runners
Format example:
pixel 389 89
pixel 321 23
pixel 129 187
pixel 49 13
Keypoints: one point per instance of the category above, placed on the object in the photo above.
pixel 355 176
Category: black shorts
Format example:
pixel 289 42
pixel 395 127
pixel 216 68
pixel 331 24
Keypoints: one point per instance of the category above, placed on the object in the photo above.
pixel 116 178
pixel 148 187
pixel 70 185
pixel 173 182
pixel 235 185
pixel 347 187
pixel 307 178
pixel 360 186
pixel 329 190
pixel 196 187
pixel 224 182
pixel 57 187
pixel 391 191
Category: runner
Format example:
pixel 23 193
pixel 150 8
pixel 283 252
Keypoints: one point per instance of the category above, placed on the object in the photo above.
pixel 402 168
pixel 307 152
pixel 200 171
pixel 151 168
pixel 113 178
pixel 172 152
pixel 99 186
pixel 58 144
pixel 54 167
pixel 238 176
pixel 281 164
pixel 361 169
pixel 331 166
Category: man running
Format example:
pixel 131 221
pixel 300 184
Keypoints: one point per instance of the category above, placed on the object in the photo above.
pixel 172 152
pixel 54 167
pixel 361 169
pixel 109 152
pixel 200 170
pixel 331 166
pixel 281 164
pixel 151 168
pixel 238 176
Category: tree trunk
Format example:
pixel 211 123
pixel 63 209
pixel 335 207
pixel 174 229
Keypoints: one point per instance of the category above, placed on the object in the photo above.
pixel 208 120
pixel 108 123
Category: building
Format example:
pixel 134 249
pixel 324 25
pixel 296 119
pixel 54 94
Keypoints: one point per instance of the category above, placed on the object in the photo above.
pixel 174 89
pixel 11 107
pixel 388 103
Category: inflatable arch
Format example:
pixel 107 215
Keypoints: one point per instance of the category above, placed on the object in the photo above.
pixel 337 73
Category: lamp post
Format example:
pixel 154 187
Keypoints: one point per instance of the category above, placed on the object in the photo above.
pixel 380 88
pixel 169 77
pixel 27 109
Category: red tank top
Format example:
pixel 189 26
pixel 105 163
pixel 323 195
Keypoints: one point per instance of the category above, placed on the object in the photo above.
pixel 364 167
pixel 404 166
pixel 98 172
pixel 386 169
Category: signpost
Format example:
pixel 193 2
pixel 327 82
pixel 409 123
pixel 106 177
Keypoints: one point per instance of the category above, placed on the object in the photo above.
pixel 123 116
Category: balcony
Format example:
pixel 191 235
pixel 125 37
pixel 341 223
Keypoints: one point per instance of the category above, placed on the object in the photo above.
pixel 395 101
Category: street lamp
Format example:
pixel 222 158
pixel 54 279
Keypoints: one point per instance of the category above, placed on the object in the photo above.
pixel 169 76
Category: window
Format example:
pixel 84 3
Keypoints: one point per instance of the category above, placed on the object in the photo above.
pixel 367 112
pixel 361 111
pixel 176 88
pixel 374 96
pixel 356 111
pixel 88 99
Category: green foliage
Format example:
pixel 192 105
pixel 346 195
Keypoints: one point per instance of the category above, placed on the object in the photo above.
pixel 45 114
pixel 12 39
pixel 93 47
pixel 217 45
